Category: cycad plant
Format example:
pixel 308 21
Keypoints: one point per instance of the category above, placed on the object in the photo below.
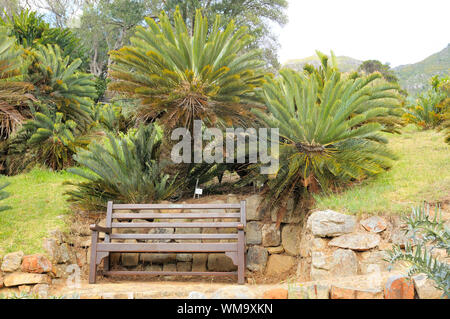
pixel 31 30
pixel 14 91
pixel 427 234
pixel 179 77
pixel 327 135
pixel 53 140
pixel 124 169
pixel 59 83
pixel 431 108
pixel 384 94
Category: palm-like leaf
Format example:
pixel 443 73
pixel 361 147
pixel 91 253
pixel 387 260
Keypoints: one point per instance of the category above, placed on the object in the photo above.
pixel 13 90
pixel 203 76
pixel 328 130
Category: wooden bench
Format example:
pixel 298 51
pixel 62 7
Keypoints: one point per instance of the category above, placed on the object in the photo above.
pixel 233 248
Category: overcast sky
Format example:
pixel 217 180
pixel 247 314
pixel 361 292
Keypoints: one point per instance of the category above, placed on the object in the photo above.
pixel 395 31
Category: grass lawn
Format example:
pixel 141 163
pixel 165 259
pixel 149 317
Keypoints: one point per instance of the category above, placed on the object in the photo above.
pixel 422 173
pixel 38 206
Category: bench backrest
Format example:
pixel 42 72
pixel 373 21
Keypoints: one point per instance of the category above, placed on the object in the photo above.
pixel 150 216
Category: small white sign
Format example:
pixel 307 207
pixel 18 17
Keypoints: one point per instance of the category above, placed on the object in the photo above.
pixel 198 191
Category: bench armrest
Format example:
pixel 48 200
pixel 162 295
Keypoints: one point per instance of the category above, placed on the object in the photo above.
pixel 100 229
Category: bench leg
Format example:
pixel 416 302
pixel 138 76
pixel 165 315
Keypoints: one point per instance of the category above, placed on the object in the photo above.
pixel 241 258
pixel 93 260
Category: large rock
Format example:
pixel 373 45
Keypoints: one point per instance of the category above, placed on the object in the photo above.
pixel 329 223
pixel 253 211
pixel 399 287
pixel 220 262
pixel 279 265
pixel 199 262
pixel 58 253
pixel 275 250
pixel 279 293
pixel 184 266
pixel 373 262
pixel 159 231
pixel 290 238
pixel 374 224
pixel 257 258
pixel 158 258
pixel 37 263
pixel 290 216
pixel 20 278
pixel 233 292
pixel 401 238
pixel 254 233
pixel 342 263
pixel 41 290
pixel 358 241
pixel 12 261
pixel 312 290
pixel 425 288
pixel 345 292
pixel 271 236
pixel 184 257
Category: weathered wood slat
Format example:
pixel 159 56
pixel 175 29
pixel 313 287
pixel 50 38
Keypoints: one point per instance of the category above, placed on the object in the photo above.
pixel 166 273
pixel 176 206
pixel 174 236
pixel 167 247
pixel 235 250
pixel 177 225
pixel 174 216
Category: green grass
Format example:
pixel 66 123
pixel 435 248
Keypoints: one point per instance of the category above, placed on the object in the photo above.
pixel 38 207
pixel 422 173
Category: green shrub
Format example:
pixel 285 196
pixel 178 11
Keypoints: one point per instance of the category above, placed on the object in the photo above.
pixel 427 235
pixel 124 169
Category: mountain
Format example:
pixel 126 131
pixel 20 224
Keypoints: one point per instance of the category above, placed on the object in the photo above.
pixel 415 77
pixel 346 64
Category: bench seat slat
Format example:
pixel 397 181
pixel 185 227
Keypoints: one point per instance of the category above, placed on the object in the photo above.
pixel 167 273
pixel 177 225
pixel 176 206
pixel 174 236
pixel 167 247
pixel 174 216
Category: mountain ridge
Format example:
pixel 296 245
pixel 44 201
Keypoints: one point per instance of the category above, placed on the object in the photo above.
pixel 412 77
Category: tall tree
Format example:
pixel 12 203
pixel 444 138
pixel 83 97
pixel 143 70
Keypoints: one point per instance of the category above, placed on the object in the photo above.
pixel 106 25
pixel 9 7
pixel 60 12
pixel 371 66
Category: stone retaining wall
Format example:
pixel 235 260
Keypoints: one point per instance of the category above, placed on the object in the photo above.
pixel 327 246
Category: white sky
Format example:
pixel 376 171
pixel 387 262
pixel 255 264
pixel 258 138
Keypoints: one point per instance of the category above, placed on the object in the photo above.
pixel 395 31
